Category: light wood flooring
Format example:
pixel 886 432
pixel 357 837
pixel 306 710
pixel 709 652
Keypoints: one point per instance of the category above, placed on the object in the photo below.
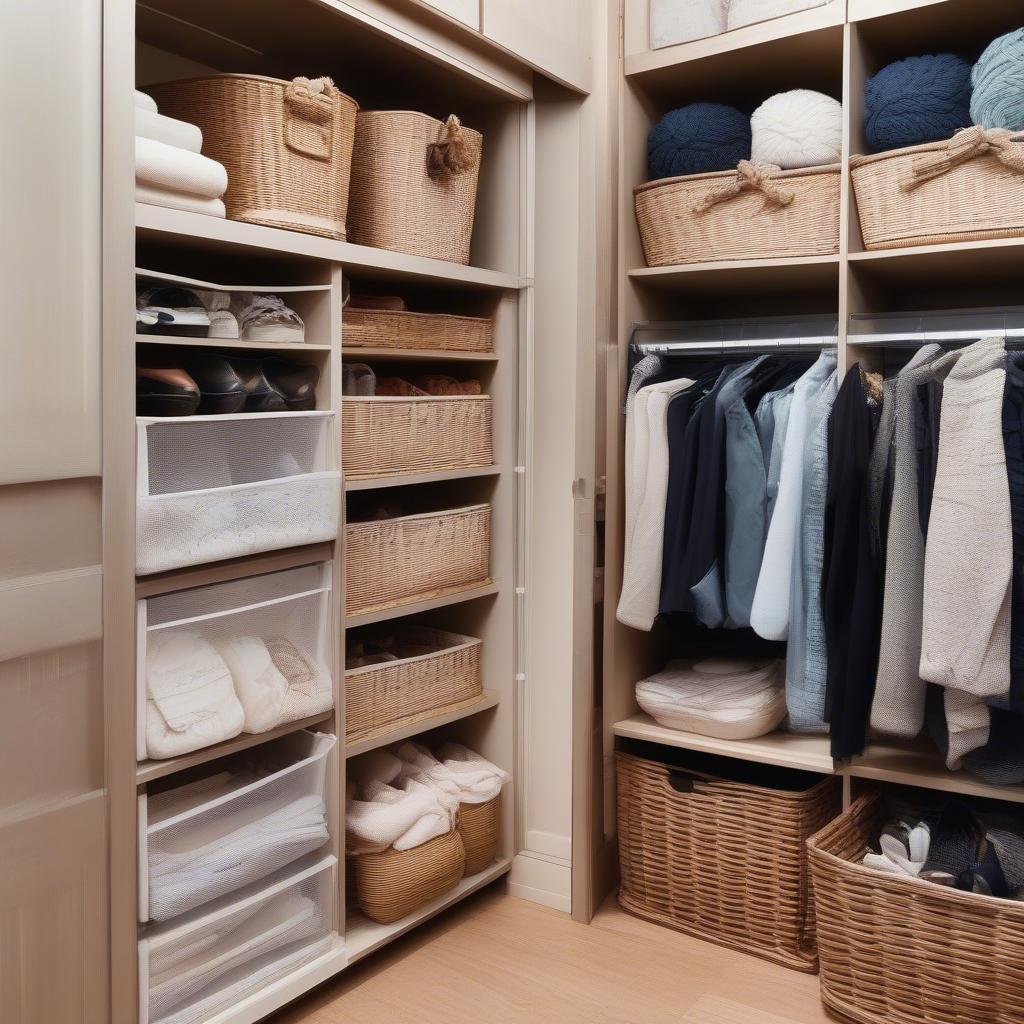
pixel 499 960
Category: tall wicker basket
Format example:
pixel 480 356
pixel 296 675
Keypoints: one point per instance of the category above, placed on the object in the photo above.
pixel 414 184
pixel 724 861
pixel 287 146
pixel 905 951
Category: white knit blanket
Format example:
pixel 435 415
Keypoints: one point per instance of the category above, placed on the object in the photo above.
pixel 179 201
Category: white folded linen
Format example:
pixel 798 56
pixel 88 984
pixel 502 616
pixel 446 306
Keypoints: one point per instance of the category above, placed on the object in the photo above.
pixel 190 699
pixel 479 780
pixel 151 125
pixel 729 699
pixel 402 817
pixel 176 170
pixel 260 687
pixel 143 101
pixel 179 201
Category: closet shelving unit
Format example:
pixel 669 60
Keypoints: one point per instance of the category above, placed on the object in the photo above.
pixel 833 49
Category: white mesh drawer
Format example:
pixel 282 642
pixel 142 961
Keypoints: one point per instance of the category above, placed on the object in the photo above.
pixel 211 960
pixel 243 656
pixel 218 487
pixel 262 810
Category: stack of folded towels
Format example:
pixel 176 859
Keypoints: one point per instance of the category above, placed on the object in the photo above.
pixel 404 796
pixel 169 170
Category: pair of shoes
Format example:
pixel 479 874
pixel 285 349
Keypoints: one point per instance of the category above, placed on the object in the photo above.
pixel 224 316
pixel 187 383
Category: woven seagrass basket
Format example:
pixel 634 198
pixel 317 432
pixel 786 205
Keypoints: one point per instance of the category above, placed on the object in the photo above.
pixel 406 329
pixel 480 827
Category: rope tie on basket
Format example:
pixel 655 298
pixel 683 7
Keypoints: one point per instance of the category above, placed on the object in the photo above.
pixel 452 155
pixel 967 144
pixel 750 177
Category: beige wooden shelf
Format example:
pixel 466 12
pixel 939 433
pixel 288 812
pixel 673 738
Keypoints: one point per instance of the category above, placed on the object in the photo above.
pixel 412 607
pixel 382 738
pixel 859 10
pixel 752 276
pixel 363 936
pixel 414 354
pixel 406 479
pixel 789 750
pixel 255 346
pixel 148 771
pixel 214 233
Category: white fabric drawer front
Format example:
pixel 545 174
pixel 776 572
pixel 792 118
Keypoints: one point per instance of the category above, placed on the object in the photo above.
pixel 216 487
pixel 267 636
pixel 211 960
pixel 229 829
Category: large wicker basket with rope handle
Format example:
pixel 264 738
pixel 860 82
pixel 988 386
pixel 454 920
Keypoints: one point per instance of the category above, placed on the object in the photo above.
pixel 754 212
pixel 414 184
pixel 287 146
pixel 967 188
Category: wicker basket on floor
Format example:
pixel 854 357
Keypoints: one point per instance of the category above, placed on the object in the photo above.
pixel 904 951
pixel 389 562
pixel 287 146
pixel 960 190
pixel 408 193
pixel 389 436
pixel 724 861
pixel 400 692
pixel 392 884
pixel 405 329
pixel 754 212
pixel 480 827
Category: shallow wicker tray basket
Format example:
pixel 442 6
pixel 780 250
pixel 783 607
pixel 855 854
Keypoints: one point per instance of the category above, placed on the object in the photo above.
pixel 956 191
pixel 904 951
pixel 724 861
pixel 406 329
pixel 754 212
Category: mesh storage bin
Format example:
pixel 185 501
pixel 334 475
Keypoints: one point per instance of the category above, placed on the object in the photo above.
pixel 272 633
pixel 400 692
pixel 722 860
pixel 389 562
pixel 224 486
pixel 906 951
pixel 480 828
pixel 405 329
pixel 211 960
pixel 236 826
pixel 387 436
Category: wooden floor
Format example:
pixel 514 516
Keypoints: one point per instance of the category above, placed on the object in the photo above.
pixel 499 960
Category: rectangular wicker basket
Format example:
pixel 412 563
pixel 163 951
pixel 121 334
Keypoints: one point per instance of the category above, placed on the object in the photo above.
pixel 383 437
pixel 408 690
pixel 390 562
pixel 675 227
pixel 905 951
pixel 721 860
pixel 899 203
pixel 406 329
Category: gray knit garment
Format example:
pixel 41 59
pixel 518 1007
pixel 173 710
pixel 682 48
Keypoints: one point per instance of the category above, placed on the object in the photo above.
pixel 898 706
pixel 878 467
pixel 965 641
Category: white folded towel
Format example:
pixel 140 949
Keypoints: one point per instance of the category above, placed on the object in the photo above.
pixel 168 167
pixel 151 125
pixel 391 816
pixel 478 779
pixel 143 101
pixel 179 201
pixel 260 687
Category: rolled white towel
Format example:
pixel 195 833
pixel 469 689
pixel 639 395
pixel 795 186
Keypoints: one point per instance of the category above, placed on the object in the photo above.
pixel 176 170
pixel 151 125
pixel 179 201
pixel 478 778
pixel 143 101
pixel 389 813
pixel 260 687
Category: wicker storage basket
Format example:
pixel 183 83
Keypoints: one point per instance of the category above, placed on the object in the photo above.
pixel 724 861
pixel 287 146
pixel 388 436
pixel 401 692
pixel 904 951
pixel 392 884
pixel 404 196
pixel 480 827
pixel 748 214
pixel 389 562
pixel 430 332
pixel 955 191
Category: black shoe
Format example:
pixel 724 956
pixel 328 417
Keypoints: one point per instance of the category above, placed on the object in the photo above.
pixel 220 389
pixel 165 391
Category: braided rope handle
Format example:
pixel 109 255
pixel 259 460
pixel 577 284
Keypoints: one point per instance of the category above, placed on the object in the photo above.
pixel 967 144
pixel 309 106
pixel 750 177
pixel 452 155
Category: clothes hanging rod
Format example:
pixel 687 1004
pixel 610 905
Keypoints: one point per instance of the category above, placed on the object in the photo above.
pixel 915 339
pixel 740 346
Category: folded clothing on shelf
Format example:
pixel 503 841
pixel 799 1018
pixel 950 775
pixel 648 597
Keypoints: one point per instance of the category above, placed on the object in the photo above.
pixel 151 125
pixel 179 201
pixel 722 697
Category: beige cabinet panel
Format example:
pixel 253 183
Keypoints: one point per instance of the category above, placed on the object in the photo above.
pixel 50 258
pixel 552 35
pixel 466 11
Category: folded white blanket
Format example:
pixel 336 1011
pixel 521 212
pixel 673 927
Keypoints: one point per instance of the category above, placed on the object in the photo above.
pixel 478 779
pixel 402 817
pixel 143 101
pixel 179 201
pixel 151 125
pixel 259 686
pixel 190 699
pixel 177 170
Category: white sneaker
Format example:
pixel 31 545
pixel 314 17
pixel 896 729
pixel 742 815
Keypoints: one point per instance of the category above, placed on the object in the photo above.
pixel 267 318
pixel 223 325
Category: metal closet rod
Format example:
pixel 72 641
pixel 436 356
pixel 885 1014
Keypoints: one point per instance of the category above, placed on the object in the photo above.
pixel 907 339
pixel 739 346
pixel 737 337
